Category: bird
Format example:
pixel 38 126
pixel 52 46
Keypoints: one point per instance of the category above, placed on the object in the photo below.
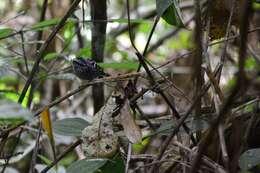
pixel 87 69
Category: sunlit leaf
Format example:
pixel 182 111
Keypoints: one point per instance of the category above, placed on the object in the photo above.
pixel 70 126
pixel 249 159
pixel 50 56
pixel 138 147
pixel 69 31
pixel 84 52
pixel 86 165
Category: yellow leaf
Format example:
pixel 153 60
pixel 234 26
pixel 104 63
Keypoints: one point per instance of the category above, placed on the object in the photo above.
pixel 46 124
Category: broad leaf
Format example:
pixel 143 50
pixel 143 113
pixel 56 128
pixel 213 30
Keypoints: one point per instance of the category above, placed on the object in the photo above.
pixel 169 10
pixel 117 164
pixel 12 113
pixel 249 159
pixel 131 129
pixel 70 126
pixel 86 165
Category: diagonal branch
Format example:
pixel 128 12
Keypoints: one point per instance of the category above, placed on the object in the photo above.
pixel 43 48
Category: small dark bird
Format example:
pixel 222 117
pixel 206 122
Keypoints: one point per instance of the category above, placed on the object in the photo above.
pixel 87 69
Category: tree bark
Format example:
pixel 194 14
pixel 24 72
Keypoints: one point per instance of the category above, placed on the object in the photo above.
pixel 98 30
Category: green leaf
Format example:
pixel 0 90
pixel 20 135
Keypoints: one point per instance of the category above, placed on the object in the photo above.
pixel 162 6
pixel 84 52
pixel 139 147
pixel 69 30
pixel 249 159
pixel 51 56
pixel 70 126
pixel 250 63
pixel 116 165
pixel 44 159
pixel 86 165
pixel 120 66
pixel 169 10
pixel 256 5
pixel 4 32
pixel 45 23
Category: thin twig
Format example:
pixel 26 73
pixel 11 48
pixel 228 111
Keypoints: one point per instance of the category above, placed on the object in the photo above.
pixel 129 154
pixel 198 58
pixel 167 36
pixel 223 55
pixel 35 151
pixel 241 78
pixel 68 150
pixel 43 48
pixel 223 146
pixel 253 53
pixel 12 150
pixel 215 84
pixel 24 53
pixel 143 63
pixel 184 117
pixel 34 83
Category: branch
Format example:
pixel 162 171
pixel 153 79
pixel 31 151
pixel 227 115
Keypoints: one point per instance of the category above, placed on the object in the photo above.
pixel 43 48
